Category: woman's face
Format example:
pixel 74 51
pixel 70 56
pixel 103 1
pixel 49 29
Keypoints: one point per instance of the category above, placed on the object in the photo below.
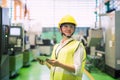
pixel 67 29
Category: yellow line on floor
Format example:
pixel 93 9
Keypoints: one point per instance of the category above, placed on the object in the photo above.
pixel 88 74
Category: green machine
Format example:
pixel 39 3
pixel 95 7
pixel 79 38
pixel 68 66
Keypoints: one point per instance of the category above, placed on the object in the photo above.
pixel 96 57
pixel 15 46
pixel 95 37
pixel 27 54
pixel 4 55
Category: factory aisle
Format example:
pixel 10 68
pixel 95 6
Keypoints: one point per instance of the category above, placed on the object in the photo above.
pixel 40 72
pixel 34 72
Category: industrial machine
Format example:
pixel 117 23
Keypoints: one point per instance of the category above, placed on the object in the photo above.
pixel 94 39
pixel 111 23
pixel 15 47
pixel 95 36
pixel 97 54
pixel 46 47
pixel 4 55
pixel 33 46
pixel 27 54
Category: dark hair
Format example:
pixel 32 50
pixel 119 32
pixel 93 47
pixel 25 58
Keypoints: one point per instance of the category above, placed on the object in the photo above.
pixel 67 23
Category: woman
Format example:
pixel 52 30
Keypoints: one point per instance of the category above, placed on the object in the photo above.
pixel 68 57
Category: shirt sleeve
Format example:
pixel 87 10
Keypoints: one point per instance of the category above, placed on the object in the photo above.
pixel 78 58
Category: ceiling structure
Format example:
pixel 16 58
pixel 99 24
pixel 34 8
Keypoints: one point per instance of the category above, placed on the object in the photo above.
pixel 49 12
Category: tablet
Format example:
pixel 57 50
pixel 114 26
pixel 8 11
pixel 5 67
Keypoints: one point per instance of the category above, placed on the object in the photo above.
pixel 44 58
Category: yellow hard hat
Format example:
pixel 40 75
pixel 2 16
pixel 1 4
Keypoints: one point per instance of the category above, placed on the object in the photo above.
pixel 67 19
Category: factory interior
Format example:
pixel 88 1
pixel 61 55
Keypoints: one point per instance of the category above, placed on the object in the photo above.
pixel 29 30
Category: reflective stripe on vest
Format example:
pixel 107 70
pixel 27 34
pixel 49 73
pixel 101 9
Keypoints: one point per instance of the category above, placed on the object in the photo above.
pixel 65 56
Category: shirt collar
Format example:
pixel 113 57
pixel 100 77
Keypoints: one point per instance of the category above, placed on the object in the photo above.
pixel 65 42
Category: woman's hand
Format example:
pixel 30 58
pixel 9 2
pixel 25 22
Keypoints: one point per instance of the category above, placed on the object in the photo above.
pixel 53 62
pixel 56 63
pixel 40 61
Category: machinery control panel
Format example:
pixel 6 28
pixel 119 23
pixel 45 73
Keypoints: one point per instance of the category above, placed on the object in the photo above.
pixel 15 39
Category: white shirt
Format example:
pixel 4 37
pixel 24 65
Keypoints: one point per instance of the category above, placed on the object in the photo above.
pixel 78 56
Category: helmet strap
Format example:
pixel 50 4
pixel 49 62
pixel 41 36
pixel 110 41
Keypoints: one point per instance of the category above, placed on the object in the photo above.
pixel 66 35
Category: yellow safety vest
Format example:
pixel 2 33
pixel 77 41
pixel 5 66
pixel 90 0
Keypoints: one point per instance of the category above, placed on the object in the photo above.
pixel 65 55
